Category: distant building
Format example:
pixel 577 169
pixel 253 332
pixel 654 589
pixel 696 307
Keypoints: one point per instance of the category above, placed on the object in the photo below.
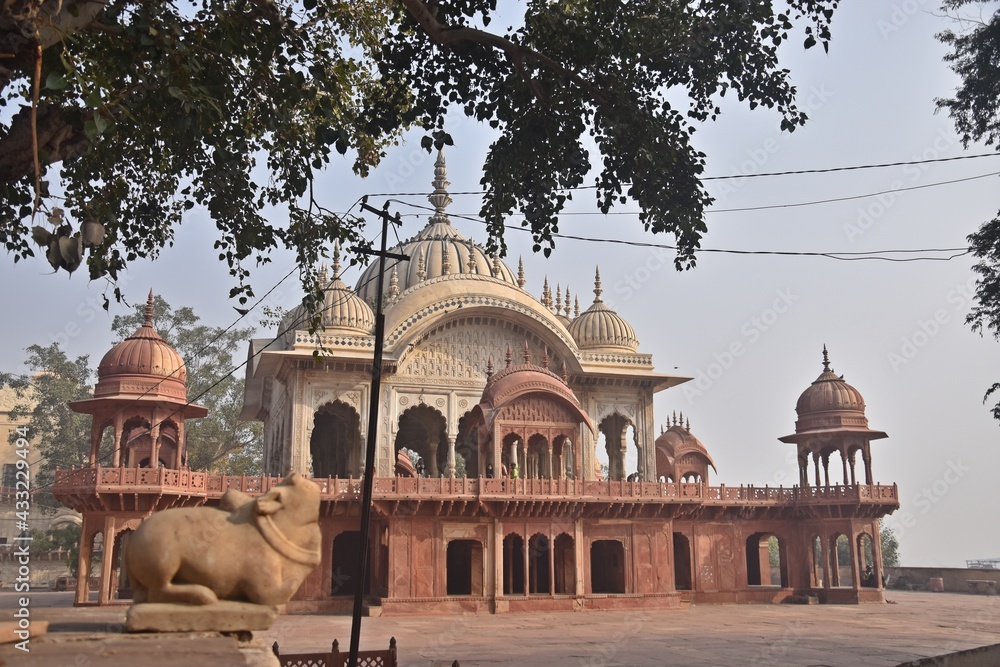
pixel 482 378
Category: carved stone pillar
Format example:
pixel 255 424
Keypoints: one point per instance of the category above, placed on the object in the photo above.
pixel 432 465
pixel 450 470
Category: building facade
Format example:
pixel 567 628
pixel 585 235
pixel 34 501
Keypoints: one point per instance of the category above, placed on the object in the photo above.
pixel 480 380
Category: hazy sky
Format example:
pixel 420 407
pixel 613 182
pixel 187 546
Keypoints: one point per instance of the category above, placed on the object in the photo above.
pixel 895 330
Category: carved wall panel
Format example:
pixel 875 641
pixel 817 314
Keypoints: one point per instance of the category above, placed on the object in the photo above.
pixel 462 353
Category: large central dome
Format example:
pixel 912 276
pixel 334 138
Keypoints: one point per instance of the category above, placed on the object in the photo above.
pixel 437 250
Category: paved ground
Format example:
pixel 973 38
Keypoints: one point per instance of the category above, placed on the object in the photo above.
pixel 917 625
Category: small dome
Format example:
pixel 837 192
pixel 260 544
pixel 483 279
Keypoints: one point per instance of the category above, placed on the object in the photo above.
pixel 342 308
pixel 829 392
pixel 678 440
pixel 438 249
pixel 599 327
pixel 143 354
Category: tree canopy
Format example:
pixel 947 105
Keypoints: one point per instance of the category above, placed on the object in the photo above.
pixel 975 109
pixel 121 115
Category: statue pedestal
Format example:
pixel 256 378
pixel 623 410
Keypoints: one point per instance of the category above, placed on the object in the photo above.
pixel 223 616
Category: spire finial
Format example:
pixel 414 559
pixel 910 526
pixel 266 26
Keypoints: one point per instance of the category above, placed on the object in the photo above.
pixel 826 360
pixel 545 357
pixel 470 263
pixel 597 286
pixel 567 306
pixel 527 352
pixel 336 260
pixel 565 373
pixel 546 294
pixel 324 278
pixel 394 284
pixel 445 259
pixel 489 368
pixel 439 199
pixel 576 307
pixel 558 304
pixel 496 270
pixel 149 310
pixel 520 272
pixel 675 419
pixel 509 357
pixel 688 425
pixel 421 266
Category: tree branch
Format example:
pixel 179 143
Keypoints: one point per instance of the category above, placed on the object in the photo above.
pixel 516 53
pixel 60 136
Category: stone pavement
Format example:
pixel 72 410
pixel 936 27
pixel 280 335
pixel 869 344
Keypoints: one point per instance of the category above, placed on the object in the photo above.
pixel 917 625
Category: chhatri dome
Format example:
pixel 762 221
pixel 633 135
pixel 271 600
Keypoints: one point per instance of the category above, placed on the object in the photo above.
pixel 343 310
pixel 141 356
pixel 829 402
pixel 438 249
pixel 600 328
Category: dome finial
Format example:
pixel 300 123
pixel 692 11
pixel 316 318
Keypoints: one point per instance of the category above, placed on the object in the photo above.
pixel 149 310
pixel 336 260
pixel 545 357
pixel 421 266
pixel 324 278
pixel 520 272
pixel 826 360
pixel 576 307
pixel 527 352
pixel 509 357
pixel 489 368
pixel 394 284
pixel 558 304
pixel 567 307
pixel 470 263
pixel 546 294
pixel 445 258
pixel 597 286
pixel 439 199
pixel 496 269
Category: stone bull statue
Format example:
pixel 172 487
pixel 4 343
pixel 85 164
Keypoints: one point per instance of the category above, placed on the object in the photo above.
pixel 251 550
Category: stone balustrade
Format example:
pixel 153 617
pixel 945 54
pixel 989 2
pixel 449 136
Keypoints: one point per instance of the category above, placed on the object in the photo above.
pixel 82 481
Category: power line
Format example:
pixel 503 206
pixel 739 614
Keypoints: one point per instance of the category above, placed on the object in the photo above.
pixel 843 256
pixel 825 170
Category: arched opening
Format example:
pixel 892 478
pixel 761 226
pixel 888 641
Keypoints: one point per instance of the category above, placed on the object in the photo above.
pixel 467 450
pixel 120 587
pixel 345 566
pixel 513 565
pixel 464 562
pixel 607 566
pixel 817 562
pixel 423 429
pixel 168 445
pixel 564 559
pixel 766 561
pixel 616 430
pixel 562 457
pixel 539 572
pixel 538 458
pixel 868 567
pixel 136 443
pixel 682 562
pixel 841 551
pixel 691 478
pixel 511 452
pixel 335 444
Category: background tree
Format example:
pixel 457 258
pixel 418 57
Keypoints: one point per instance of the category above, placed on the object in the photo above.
pixel 975 109
pixel 63 436
pixel 150 108
pixel 219 442
pixel 66 537
pixel 890 545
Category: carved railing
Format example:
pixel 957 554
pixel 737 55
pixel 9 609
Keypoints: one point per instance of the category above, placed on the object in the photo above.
pixel 186 482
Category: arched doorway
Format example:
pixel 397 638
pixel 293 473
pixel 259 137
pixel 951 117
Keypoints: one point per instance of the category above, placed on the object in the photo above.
pixel 816 549
pixel 424 430
pixel 682 562
pixel 607 566
pixel 539 572
pixel 464 562
pixel 766 561
pixel 345 566
pixel 467 450
pixel 538 458
pixel 564 559
pixel 335 444
pixel 868 567
pixel 618 433
pixel 841 561
pixel 513 565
